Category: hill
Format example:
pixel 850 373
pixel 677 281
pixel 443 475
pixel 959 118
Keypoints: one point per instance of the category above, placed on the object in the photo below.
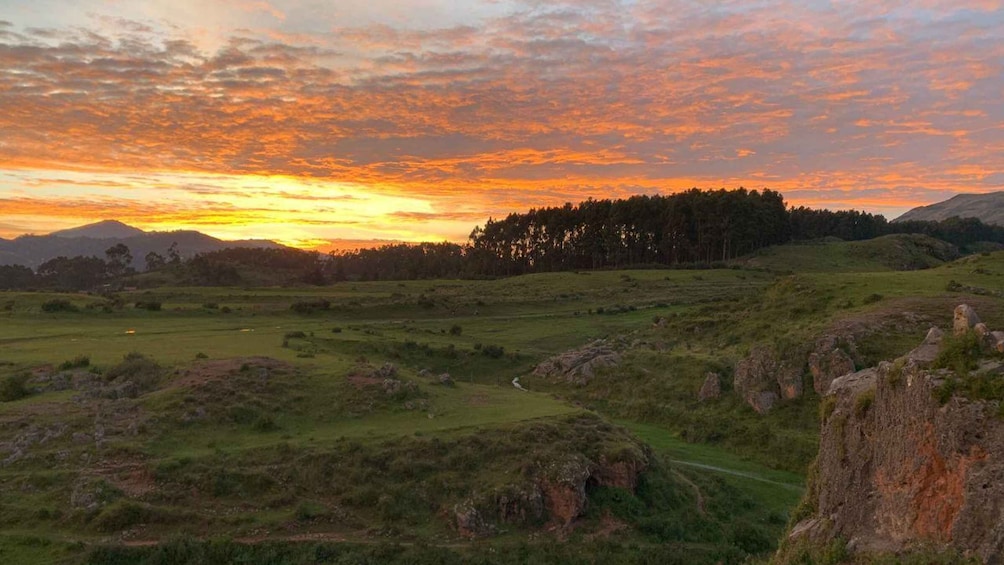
pixel 94 239
pixel 898 252
pixel 105 229
pixel 988 208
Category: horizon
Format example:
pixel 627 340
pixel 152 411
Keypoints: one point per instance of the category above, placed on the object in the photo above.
pixel 374 121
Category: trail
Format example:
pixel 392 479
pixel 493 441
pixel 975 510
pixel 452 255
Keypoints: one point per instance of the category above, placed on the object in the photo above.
pixel 697 490
pixel 733 472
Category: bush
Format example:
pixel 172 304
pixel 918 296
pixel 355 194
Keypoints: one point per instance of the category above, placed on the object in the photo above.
pixel 295 335
pixel 493 351
pixel 959 353
pixel 76 362
pixel 310 306
pixel 211 306
pixel 13 387
pixel 150 305
pixel 138 368
pixel 456 329
pixel 58 305
pixel 864 402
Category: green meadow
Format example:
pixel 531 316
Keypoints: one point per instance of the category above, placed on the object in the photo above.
pixel 266 424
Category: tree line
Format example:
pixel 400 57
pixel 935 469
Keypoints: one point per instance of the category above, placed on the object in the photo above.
pixel 691 228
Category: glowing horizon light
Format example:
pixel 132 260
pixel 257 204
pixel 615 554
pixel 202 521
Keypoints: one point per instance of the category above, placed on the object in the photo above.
pixel 383 121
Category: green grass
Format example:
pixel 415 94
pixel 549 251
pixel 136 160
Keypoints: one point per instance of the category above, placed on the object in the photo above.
pixel 260 458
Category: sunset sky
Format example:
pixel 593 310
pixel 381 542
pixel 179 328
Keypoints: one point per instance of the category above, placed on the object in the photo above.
pixel 306 121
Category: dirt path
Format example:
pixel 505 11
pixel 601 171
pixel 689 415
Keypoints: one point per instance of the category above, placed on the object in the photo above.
pixel 733 472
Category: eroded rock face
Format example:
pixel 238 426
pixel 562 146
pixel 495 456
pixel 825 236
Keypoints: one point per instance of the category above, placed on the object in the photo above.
pixel 712 387
pixel 900 470
pixel 578 366
pixel 557 494
pixel 831 357
pixel 761 379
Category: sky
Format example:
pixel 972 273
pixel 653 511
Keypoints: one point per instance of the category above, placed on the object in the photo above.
pixel 311 122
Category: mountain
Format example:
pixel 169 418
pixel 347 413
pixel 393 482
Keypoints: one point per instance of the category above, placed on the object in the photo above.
pixel 988 208
pixel 105 229
pixel 94 239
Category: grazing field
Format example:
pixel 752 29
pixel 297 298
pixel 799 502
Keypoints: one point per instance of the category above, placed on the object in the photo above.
pixel 367 417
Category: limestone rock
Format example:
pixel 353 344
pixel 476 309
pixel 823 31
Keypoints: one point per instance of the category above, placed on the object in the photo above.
pixel 901 470
pixel 578 366
pixel 925 353
pixel 761 380
pixel 965 319
pixel 831 358
pixel 712 387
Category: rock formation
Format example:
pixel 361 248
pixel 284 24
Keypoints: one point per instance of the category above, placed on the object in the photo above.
pixel 712 387
pixel 831 357
pixel 761 379
pixel 555 494
pixel 905 464
pixel 578 366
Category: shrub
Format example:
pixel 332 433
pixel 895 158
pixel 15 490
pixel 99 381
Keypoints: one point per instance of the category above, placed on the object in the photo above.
pixel 826 408
pixel 76 362
pixel 295 335
pixel 310 306
pixel 14 387
pixel 201 355
pixel 959 353
pixel 864 402
pixel 150 305
pixel 58 305
pixel 872 298
pixel 493 351
pixel 336 330
pixel 211 306
pixel 138 368
pixel 456 329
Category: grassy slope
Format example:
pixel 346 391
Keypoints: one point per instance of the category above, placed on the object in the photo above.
pixel 714 317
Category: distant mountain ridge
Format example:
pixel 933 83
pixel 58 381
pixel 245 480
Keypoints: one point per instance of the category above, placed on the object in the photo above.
pixel 988 208
pixel 94 239
pixel 105 229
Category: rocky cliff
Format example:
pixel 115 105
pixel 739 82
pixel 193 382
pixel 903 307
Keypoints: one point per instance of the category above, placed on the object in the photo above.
pixel 911 454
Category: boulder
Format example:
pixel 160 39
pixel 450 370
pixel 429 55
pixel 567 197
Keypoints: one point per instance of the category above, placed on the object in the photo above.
pixel 446 380
pixel 712 387
pixel 761 380
pixel 832 357
pixel 578 366
pixel 925 353
pixel 965 319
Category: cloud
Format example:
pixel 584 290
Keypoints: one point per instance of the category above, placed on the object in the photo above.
pixel 532 105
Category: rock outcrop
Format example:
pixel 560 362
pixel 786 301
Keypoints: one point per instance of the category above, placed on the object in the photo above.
pixel 712 387
pixel 578 366
pixel 831 357
pixel 905 464
pixel 557 494
pixel 761 379
pixel 965 319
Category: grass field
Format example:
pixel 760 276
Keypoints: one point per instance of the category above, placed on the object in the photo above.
pixel 206 439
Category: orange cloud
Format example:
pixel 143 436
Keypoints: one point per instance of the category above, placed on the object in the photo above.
pixel 853 103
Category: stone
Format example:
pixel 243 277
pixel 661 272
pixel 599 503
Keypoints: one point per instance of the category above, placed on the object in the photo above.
pixel 902 469
pixel 578 366
pixel 446 380
pixel 831 358
pixel 965 319
pixel 925 353
pixel 761 380
pixel 712 387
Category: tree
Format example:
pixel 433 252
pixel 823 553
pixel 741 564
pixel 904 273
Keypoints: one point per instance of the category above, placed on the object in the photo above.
pixel 119 260
pixel 75 273
pixel 172 254
pixel 155 261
